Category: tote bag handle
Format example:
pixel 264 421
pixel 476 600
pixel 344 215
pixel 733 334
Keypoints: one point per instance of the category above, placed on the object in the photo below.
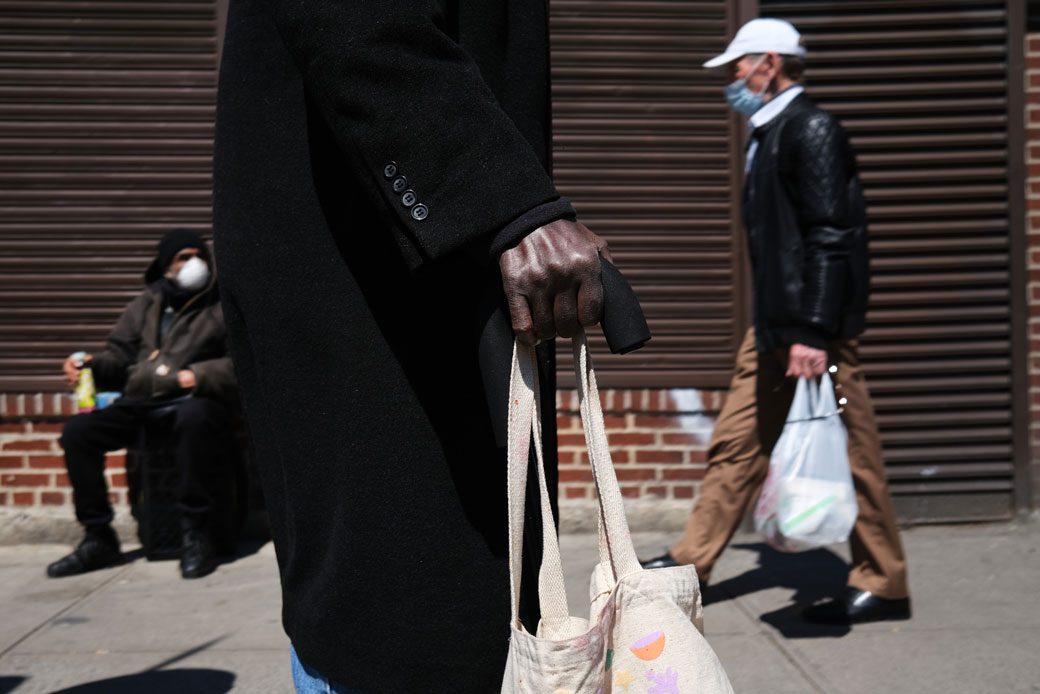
pixel 616 550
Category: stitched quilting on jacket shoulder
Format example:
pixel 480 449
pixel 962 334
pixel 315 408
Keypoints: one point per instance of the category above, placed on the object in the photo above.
pixel 806 222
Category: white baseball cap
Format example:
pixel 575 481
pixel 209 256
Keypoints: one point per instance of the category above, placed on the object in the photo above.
pixel 763 35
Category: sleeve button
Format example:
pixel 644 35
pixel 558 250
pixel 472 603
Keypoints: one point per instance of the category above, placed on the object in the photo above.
pixel 420 212
pixel 408 198
pixel 399 184
pixel 390 170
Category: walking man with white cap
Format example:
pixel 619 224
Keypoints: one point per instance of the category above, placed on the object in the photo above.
pixel 805 216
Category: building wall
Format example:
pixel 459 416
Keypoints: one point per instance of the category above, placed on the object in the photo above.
pixel 658 437
pixel 1032 154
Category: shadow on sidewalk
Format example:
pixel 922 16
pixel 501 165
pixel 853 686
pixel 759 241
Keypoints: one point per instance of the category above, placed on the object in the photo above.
pixel 195 680
pixel 9 684
pixel 813 575
pixel 155 680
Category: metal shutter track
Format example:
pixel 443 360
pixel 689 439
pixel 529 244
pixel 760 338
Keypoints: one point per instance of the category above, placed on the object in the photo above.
pixel 921 87
pixel 106 127
pixel 642 147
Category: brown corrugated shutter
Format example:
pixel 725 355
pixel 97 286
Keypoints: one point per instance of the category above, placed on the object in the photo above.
pixel 921 86
pixel 643 146
pixel 106 123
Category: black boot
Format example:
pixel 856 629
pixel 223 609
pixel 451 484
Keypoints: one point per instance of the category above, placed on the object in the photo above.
pixel 197 558
pixel 98 550
pixel 857 607
pixel 665 561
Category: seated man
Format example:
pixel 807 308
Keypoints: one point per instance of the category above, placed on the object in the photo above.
pixel 167 350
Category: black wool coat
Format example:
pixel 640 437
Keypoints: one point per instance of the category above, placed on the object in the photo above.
pixel 371 155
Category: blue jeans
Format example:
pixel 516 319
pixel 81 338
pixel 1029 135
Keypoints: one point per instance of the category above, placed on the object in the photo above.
pixel 310 681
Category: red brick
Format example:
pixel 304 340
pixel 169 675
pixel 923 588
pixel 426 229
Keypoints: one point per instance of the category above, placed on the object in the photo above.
pixel 658 422
pixel 566 423
pixel 630 439
pixel 606 400
pixel 654 456
pixel 118 479
pixel 52 498
pixel 654 400
pixel 615 421
pixel 656 490
pixel 571 440
pixel 634 475
pixel 619 456
pixel 24 498
pixel 631 492
pixel 683 474
pixel 575 492
pixel 697 456
pixel 11 462
pixel 682 440
pixel 47 462
pixel 51 405
pixel 115 461
pixel 1033 44
pixel 1033 82
pixel 682 491
pixel 62 480
pixel 14 428
pixel 576 475
pixel 3 498
pixel 47 427
pixel 566 457
pixel 25 479
pixel 68 406
pixel 28 445
pixel 12 405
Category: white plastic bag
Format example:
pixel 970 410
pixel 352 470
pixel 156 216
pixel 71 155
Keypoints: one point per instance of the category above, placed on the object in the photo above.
pixel 808 499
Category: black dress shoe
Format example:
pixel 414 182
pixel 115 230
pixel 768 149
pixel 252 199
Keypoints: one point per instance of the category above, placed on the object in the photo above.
pixel 857 607
pixel 664 561
pixel 197 558
pixel 93 553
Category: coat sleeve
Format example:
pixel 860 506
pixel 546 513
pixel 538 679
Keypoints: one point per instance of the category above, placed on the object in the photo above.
pixel 214 377
pixel 409 109
pixel 821 191
pixel 110 366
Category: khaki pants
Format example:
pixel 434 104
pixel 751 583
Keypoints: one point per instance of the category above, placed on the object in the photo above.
pixel 738 460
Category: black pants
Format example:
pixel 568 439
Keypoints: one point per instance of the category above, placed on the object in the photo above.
pixel 199 435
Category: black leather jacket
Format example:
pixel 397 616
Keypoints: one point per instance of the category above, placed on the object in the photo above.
pixel 807 229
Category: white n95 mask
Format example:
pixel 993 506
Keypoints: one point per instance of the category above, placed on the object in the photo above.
pixel 193 275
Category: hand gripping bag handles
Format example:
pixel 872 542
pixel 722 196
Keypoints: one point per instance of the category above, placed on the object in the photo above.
pixel 808 499
pixel 644 631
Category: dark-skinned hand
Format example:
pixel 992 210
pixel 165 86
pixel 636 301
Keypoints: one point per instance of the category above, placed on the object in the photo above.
pixel 552 281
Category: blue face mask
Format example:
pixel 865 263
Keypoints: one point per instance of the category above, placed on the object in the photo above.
pixel 741 98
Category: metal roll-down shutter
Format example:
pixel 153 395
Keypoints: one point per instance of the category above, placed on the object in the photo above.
pixel 922 87
pixel 643 146
pixel 106 125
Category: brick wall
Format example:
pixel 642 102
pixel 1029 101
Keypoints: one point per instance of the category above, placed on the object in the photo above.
pixel 658 440
pixel 1032 153
pixel 33 481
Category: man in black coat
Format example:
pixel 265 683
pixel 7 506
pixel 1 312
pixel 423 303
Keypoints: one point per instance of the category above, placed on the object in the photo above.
pixel 380 174
pixel 807 233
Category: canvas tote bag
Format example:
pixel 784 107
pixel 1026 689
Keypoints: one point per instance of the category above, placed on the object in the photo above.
pixel 643 634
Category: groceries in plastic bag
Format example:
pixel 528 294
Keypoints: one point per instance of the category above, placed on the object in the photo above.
pixel 808 499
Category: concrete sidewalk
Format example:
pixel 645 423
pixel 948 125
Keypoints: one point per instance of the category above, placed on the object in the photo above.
pixel 141 628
